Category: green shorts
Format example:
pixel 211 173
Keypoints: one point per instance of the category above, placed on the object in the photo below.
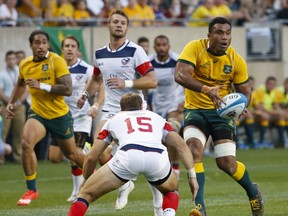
pixel 210 123
pixel 60 128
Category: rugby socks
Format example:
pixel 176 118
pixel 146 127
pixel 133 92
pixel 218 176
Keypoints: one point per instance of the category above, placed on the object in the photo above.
pixel 157 196
pixel 262 130
pixel 281 130
pixel 249 129
pixel 78 207
pixel 242 177
pixel 170 203
pixel 31 182
pixel 200 175
pixel 77 178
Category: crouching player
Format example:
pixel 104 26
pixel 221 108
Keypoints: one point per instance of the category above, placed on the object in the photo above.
pixel 139 134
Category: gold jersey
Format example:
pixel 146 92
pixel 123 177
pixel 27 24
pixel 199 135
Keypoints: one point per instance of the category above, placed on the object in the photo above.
pixel 45 104
pixel 268 99
pixel 212 70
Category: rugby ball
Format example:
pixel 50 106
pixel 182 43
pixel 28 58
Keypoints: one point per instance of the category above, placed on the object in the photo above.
pixel 233 105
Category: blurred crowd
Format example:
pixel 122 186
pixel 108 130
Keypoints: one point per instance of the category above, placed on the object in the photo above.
pixel 140 12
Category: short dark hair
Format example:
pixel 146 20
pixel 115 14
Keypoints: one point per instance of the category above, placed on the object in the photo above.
pixel 130 102
pixel 220 20
pixel 9 52
pixel 119 12
pixel 20 52
pixel 142 40
pixel 72 38
pixel 162 37
pixel 36 32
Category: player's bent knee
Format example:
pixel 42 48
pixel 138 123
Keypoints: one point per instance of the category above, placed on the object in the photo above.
pixel 225 149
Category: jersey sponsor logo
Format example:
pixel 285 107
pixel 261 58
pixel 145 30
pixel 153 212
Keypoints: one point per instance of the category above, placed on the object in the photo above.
pixel 44 67
pixel 125 61
pixel 227 69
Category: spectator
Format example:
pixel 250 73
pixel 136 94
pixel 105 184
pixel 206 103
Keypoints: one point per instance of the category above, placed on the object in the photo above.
pixel 81 13
pixel 66 12
pixel 5 149
pixel 202 13
pixel 30 9
pixel 283 12
pixel 8 79
pixel 8 13
pixel 146 14
pixel 269 100
pixel 20 55
pixel 133 12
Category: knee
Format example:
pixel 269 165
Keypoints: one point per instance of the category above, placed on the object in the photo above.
pixel 227 164
pixel 27 146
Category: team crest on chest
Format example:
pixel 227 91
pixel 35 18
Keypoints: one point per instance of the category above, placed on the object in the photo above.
pixel 125 61
pixel 44 67
pixel 227 69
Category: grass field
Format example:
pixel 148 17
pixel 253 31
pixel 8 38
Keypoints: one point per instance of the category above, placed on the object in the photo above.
pixel 224 197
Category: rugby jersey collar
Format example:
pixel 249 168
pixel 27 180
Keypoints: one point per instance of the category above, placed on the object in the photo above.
pixel 120 48
pixel 163 62
pixel 76 63
pixel 46 56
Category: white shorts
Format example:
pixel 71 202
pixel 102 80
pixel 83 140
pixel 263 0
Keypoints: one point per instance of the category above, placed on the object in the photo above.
pixel 83 124
pixel 131 163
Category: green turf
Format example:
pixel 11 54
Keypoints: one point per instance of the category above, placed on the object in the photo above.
pixel 223 196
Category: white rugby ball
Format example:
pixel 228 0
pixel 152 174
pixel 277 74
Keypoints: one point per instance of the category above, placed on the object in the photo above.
pixel 233 105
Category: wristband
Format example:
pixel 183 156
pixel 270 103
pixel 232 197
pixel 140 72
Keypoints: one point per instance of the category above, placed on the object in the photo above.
pixel 95 106
pixel 205 89
pixel 191 173
pixel 46 87
pixel 129 83
pixel 85 94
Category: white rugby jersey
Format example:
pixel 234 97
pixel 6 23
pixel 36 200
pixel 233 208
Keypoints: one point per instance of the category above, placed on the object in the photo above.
pixel 165 95
pixel 128 62
pixel 80 74
pixel 141 127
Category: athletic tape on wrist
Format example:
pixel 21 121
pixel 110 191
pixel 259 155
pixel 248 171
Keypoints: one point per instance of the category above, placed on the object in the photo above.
pixel 129 83
pixel 46 87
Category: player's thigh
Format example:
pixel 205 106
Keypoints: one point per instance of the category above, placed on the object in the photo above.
pixel 170 184
pixel 99 183
pixel 33 132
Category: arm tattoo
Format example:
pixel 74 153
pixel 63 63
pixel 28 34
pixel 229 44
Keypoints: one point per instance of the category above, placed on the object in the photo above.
pixel 63 86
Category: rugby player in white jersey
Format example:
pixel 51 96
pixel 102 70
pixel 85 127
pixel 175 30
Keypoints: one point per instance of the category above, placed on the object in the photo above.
pixel 140 134
pixel 168 95
pixel 80 73
pixel 124 67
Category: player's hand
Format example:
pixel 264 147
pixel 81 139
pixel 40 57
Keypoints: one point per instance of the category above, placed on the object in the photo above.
pixel 116 83
pixel 212 93
pixel 32 83
pixel 93 111
pixel 10 111
pixel 244 114
pixel 194 187
pixel 81 101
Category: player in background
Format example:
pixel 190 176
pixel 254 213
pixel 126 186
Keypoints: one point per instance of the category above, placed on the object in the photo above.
pixel 139 134
pixel 168 94
pixel 47 76
pixel 207 68
pixel 124 67
pixel 82 118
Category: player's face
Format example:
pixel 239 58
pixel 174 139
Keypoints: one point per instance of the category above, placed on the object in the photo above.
pixel 118 26
pixel 39 46
pixel 145 46
pixel 162 47
pixel 220 38
pixel 70 50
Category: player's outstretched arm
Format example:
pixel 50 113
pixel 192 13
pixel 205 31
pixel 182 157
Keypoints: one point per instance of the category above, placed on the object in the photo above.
pixel 174 140
pixel 91 159
pixel 18 91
